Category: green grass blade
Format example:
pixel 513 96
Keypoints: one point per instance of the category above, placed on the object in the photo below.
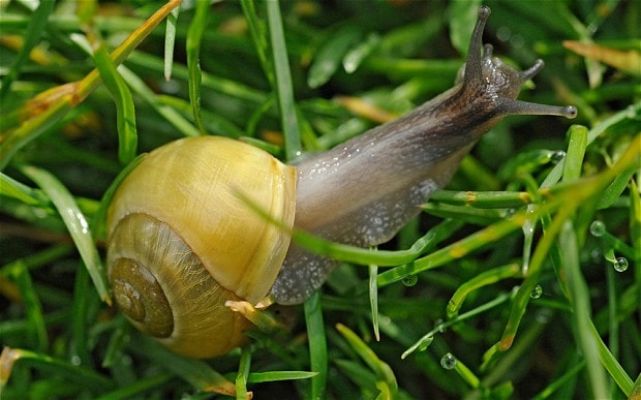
pixel 170 41
pixel 581 302
pixel 33 307
pixel 50 365
pixel 483 279
pixel 244 368
pixel 330 55
pixel 258 32
pixel 373 299
pixel 576 151
pixel 317 345
pixel 198 373
pixel 76 224
pixel 171 115
pixel 276 376
pixel 194 38
pixel 126 112
pixel 382 370
pixel 284 88
pixel 99 220
pixel 34 31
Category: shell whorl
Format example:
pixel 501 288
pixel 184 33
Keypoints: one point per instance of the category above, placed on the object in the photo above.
pixel 153 272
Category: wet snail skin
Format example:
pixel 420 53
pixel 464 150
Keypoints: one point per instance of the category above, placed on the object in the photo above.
pixel 182 243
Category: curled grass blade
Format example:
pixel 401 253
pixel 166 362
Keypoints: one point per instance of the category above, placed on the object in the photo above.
pixel 483 279
pixel 76 224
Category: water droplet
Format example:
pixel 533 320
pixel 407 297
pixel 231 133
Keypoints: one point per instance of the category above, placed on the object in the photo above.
pixel 621 264
pixel 597 229
pixel 75 360
pixel 448 361
pixel 557 156
pixel 536 292
pixel 410 280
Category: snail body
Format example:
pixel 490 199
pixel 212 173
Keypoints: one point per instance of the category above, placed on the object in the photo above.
pixel 361 193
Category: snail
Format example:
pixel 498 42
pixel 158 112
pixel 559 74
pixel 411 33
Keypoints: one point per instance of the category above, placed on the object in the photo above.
pixel 181 243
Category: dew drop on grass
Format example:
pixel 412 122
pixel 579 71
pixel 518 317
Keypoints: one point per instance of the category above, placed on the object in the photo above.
pixel 410 280
pixel 536 292
pixel 621 264
pixel 597 229
pixel 448 361
pixel 557 156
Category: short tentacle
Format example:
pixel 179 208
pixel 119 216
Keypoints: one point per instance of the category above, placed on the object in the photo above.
pixel 532 71
pixel 488 49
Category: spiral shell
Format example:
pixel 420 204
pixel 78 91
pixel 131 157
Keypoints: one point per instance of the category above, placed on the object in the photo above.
pixel 182 242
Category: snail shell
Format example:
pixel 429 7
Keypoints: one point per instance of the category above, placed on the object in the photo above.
pixel 181 242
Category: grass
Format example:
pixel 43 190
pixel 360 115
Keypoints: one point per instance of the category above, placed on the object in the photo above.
pixel 521 280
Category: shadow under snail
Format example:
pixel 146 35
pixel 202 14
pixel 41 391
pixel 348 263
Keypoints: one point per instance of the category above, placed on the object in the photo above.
pixel 182 243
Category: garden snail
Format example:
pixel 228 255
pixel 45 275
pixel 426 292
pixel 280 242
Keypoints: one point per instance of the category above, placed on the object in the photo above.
pixel 181 242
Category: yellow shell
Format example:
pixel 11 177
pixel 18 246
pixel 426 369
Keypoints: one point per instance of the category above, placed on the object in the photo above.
pixel 179 211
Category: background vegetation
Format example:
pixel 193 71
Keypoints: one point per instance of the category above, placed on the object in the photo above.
pixel 538 289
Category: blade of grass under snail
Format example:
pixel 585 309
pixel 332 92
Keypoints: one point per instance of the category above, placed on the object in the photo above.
pixel 76 224
pixel 317 345
pixel 284 89
pixel 198 373
pixel 356 254
pixel 125 110
pixel 140 386
pixel 194 38
pixel 32 35
pixel 57 102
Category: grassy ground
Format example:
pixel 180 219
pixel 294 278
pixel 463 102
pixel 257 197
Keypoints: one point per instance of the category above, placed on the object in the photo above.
pixel 523 279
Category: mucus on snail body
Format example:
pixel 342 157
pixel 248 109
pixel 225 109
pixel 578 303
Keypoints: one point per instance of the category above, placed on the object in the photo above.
pixel 181 242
